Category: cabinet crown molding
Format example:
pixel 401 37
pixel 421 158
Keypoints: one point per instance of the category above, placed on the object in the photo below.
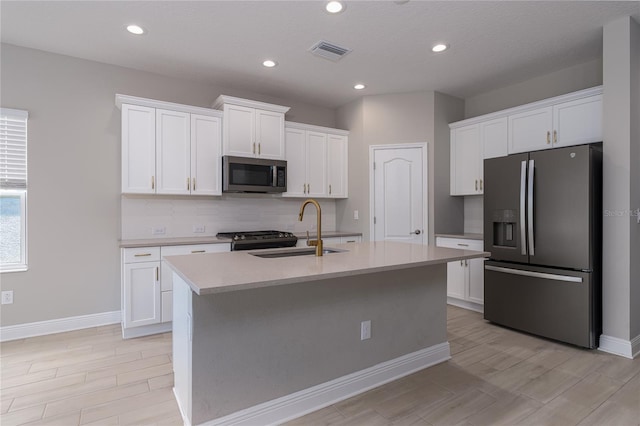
pixel 152 103
pixel 224 99
pixel 312 127
pixel 592 91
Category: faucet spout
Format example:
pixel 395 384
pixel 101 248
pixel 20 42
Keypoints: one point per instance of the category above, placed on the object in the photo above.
pixel 318 242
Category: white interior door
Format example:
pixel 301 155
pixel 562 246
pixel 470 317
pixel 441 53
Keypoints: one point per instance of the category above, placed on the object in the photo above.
pixel 399 206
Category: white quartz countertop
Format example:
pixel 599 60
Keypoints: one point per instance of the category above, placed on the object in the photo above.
pixel 180 241
pixel 222 272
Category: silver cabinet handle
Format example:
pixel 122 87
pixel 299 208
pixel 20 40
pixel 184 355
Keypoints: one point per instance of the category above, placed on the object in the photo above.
pixel 188 184
pixel 194 184
pixel 534 274
pixel 555 136
pixel 141 254
pixel 480 184
pixel 523 189
pixel 548 138
pixel 530 212
pixel 197 251
pixel 463 245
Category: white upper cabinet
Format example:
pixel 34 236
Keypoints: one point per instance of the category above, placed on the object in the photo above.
pixel 296 149
pixel 569 120
pixel 494 138
pixel 138 149
pixel 316 161
pixel 338 160
pixel 206 147
pixel 169 148
pixel 466 160
pixel 578 122
pixel 251 128
pixel 173 159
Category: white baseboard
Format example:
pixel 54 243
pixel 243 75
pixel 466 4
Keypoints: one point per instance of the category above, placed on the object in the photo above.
pixel 297 404
pixel 614 345
pixel 41 328
pixel 464 304
pixel 146 330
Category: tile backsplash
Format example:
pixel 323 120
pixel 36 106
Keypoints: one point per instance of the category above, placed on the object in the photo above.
pixel 179 216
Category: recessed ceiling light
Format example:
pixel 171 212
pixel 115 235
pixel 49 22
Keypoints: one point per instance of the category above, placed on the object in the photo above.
pixel 439 48
pixel 334 6
pixel 359 86
pixel 269 63
pixel 135 29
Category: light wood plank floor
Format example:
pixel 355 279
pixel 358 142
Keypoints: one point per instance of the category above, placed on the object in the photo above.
pixel 496 376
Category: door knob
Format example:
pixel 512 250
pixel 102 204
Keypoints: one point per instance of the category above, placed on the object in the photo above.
pixel 417 232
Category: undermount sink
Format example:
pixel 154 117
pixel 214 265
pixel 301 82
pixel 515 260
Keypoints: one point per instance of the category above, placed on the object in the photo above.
pixel 293 252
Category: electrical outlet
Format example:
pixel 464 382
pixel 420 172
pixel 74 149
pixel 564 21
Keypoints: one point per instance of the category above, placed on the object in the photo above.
pixel 158 230
pixel 198 229
pixel 356 215
pixel 7 297
pixel 365 330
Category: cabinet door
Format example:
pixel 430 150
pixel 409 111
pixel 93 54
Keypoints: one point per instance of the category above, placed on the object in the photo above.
pixel 530 130
pixel 138 149
pixel 141 294
pixel 578 122
pixel 337 166
pixel 173 158
pixel 167 306
pixel 238 133
pixel 465 160
pixel 270 134
pixel 476 280
pixel 316 164
pixel 494 137
pixel 206 146
pixel 295 148
pixel 456 279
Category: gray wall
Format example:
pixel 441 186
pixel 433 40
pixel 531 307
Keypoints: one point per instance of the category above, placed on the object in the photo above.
pixel 395 119
pixel 621 168
pixel 308 334
pixel 563 81
pixel 74 175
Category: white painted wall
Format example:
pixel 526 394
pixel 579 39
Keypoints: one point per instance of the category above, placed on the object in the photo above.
pixel 74 174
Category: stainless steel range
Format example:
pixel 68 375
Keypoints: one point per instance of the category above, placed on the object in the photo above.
pixel 259 239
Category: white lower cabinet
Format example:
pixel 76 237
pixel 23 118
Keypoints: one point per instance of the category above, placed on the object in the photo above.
pixel 465 278
pixel 302 242
pixel 141 287
pixel 147 287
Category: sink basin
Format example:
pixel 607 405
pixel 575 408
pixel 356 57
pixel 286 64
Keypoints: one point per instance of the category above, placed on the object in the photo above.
pixel 307 251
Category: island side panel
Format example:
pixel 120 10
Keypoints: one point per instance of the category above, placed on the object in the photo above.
pixel 252 346
pixel 182 339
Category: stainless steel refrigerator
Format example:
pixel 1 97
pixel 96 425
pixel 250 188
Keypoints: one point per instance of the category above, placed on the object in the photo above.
pixel 542 225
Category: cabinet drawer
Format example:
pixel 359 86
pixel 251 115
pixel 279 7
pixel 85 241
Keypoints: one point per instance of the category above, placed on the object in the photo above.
pixel 141 254
pixel 195 248
pixel 459 243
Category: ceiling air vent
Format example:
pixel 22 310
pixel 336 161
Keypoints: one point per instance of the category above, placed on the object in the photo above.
pixel 329 51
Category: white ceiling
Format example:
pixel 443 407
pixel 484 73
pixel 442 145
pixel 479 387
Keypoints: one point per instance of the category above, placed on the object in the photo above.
pixel 493 43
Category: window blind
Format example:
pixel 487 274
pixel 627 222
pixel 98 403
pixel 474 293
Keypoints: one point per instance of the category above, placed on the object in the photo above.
pixel 13 148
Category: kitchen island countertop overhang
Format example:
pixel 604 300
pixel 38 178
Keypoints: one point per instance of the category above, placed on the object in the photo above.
pixel 223 272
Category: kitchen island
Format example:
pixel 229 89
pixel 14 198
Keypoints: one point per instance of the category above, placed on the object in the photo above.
pixel 263 340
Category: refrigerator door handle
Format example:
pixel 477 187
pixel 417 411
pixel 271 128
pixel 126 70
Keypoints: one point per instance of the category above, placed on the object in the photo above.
pixel 523 190
pixel 534 274
pixel 530 208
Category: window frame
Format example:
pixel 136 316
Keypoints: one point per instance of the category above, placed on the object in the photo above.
pixel 20 191
pixel 22 265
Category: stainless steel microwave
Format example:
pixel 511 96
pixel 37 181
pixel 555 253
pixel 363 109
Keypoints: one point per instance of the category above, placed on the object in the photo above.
pixel 242 174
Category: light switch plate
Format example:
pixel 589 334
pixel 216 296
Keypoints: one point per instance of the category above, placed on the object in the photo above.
pixel 158 230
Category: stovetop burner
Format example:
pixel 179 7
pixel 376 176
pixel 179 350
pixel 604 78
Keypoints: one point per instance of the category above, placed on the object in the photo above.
pixel 259 239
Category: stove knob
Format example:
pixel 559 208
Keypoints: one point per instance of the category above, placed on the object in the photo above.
pixel 280 235
pixel 242 237
pixel 236 238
